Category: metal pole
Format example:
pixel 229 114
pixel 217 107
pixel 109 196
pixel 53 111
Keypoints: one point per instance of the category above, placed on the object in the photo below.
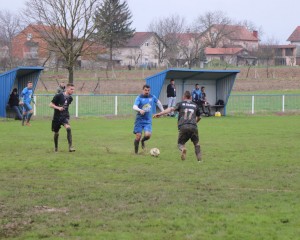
pixel 116 105
pixel 76 107
pixel 34 106
pixel 252 105
pixel 282 103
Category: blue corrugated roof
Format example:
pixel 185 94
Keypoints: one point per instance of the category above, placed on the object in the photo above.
pixel 157 80
pixel 17 77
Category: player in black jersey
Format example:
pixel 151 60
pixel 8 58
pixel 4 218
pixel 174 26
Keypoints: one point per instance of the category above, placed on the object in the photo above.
pixel 60 103
pixel 188 117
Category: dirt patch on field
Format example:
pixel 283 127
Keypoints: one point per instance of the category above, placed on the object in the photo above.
pixel 130 82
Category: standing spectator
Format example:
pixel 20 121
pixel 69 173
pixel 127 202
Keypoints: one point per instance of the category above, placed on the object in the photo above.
pixel 189 116
pixel 27 98
pixel 143 122
pixel 60 103
pixel 205 103
pixel 196 95
pixel 171 95
pixel 14 103
pixel 61 87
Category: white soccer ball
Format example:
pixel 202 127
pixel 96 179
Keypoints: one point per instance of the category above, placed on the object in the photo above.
pixel 154 152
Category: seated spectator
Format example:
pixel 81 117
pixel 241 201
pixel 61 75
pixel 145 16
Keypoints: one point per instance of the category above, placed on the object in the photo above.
pixel 205 103
pixel 14 103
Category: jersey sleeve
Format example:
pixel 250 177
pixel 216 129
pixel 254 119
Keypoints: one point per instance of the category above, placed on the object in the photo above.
pixel 137 101
pixel 55 99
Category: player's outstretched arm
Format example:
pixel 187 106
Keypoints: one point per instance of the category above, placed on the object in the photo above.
pixel 166 111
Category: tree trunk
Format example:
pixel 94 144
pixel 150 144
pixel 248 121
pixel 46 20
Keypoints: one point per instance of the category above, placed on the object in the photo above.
pixel 71 75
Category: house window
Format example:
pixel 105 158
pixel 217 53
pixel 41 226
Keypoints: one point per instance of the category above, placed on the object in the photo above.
pixel 29 36
pixel 146 44
pixel 288 52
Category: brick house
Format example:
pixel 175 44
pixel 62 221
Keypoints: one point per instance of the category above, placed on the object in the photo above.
pixel 29 46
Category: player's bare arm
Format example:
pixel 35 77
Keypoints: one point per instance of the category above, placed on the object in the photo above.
pixel 166 111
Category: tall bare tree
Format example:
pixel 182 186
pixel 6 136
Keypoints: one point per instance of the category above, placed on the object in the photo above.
pixel 10 26
pixel 213 27
pixel 113 24
pixel 68 26
pixel 168 30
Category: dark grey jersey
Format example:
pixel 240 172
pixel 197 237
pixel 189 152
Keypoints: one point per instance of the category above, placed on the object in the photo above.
pixel 188 113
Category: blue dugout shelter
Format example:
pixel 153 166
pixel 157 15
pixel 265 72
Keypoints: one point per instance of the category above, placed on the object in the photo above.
pixel 218 83
pixel 16 78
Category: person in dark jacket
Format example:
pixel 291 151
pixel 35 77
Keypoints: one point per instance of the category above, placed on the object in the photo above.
pixel 14 103
pixel 171 95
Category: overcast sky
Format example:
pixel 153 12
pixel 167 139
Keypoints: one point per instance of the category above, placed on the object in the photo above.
pixel 278 18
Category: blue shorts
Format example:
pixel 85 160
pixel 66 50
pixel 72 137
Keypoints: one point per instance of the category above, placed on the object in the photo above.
pixel 139 127
pixel 27 107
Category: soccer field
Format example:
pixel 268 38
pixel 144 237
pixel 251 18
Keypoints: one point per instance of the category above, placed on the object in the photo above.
pixel 247 187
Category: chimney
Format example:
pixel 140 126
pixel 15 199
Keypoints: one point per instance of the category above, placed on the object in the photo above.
pixel 255 34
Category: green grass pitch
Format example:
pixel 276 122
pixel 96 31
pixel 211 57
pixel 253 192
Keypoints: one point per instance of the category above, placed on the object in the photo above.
pixel 246 188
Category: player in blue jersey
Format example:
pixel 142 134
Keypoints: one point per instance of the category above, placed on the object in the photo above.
pixel 143 122
pixel 27 98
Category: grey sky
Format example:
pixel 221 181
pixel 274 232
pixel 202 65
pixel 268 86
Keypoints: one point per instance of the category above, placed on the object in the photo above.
pixel 277 18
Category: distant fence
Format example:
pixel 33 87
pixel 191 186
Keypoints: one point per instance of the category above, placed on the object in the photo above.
pixel 121 104
pixel 261 104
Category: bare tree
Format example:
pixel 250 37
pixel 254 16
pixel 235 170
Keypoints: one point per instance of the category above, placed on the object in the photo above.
pixel 10 26
pixel 168 31
pixel 266 53
pixel 251 26
pixel 190 48
pixel 66 26
pixel 213 27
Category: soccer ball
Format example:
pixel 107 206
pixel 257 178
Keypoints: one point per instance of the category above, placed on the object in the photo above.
pixel 154 152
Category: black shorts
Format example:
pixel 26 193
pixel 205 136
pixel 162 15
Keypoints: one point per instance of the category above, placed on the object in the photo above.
pixel 187 132
pixel 57 123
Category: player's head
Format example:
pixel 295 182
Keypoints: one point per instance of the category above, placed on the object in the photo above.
pixel 187 95
pixel 202 89
pixel 15 91
pixel 172 81
pixel 70 88
pixel 146 90
pixel 29 84
pixel 197 86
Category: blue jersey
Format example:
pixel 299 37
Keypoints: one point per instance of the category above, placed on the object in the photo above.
pixel 26 95
pixel 145 103
pixel 196 95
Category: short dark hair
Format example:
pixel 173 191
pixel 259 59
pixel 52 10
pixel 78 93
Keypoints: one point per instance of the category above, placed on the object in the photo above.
pixel 70 85
pixel 202 87
pixel 15 90
pixel 197 84
pixel 29 82
pixel 146 86
pixel 187 94
pixel 171 79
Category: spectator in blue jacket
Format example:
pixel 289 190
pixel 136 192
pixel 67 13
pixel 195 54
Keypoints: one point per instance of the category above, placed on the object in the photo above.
pixel 197 95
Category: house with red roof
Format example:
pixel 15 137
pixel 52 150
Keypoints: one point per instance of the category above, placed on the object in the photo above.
pixel 139 50
pixel 233 35
pixel 294 39
pixel 232 55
